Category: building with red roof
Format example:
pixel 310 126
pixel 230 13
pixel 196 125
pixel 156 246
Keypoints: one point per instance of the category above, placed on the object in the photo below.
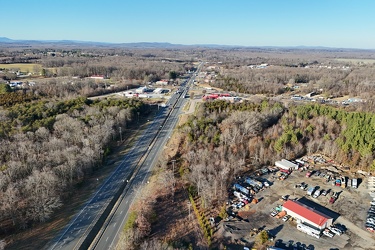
pixel 307 215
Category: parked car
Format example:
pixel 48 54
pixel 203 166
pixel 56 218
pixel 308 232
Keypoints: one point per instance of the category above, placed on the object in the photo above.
pixel 316 194
pixel 332 200
pixel 317 173
pixel 309 173
pixel 274 213
pixel 335 230
pixel 324 192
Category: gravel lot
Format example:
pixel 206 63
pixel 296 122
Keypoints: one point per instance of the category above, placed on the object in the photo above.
pixel 350 210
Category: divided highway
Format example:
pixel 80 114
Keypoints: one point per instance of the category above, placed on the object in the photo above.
pixel 117 191
pixel 110 235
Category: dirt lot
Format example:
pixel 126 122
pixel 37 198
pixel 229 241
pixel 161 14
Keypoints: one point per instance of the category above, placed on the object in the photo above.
pixel 349 210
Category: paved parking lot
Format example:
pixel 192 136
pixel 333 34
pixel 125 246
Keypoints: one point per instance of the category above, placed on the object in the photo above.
pixel 349 210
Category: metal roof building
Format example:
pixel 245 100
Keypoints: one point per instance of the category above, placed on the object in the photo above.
pixel 285 164
pixel 307 215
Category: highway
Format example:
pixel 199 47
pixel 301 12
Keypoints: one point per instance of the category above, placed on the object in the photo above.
pixel 111 232
pixel 118 187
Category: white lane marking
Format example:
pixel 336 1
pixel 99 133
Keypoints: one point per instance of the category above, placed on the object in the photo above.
pixel 121 212
pixel 107 239
pixel 114 224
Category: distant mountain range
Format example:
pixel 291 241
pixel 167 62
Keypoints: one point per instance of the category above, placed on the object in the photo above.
pixel 7 42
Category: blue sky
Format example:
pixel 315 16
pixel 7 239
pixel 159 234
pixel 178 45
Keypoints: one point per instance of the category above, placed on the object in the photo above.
pixel 332 23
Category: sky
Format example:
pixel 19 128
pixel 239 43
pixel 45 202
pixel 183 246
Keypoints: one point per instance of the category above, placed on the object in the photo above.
pixel 329 23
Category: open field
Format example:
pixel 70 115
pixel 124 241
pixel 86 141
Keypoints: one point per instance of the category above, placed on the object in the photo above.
pixel 356 60
pixel 23 67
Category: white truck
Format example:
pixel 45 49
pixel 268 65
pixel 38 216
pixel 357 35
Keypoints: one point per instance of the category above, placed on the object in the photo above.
pixel 354 183
pixel 311 190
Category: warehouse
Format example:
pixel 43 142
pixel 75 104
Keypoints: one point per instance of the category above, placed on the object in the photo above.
pixel 307 215
pixel 287 165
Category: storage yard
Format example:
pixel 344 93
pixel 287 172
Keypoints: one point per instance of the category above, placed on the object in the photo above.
pixel 316 206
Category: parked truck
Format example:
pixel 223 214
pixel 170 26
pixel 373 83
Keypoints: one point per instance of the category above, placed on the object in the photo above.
pixel 253 182
pixel 354 183
pixel 343 182
pixel 311 190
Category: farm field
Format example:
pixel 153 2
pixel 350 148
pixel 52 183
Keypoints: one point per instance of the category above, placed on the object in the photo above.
pixel 23 67
pixel 355 60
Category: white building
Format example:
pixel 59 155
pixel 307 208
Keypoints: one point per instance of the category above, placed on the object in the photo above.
pixel 285 164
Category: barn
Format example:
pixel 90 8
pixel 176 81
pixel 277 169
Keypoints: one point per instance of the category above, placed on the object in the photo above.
pixel 307 215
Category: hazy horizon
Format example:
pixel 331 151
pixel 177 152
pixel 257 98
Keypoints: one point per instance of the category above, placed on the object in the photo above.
pixel 334 24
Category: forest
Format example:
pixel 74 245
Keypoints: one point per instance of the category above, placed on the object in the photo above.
pixel 47 147
pixel 225 140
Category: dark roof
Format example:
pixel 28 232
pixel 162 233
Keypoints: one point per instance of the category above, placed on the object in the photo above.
pixel 306 212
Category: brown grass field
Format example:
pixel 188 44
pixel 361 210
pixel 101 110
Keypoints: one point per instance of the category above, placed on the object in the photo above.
pixel 23 67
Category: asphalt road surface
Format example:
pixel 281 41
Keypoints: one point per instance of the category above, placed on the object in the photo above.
pixel 124 177
pixel 111 232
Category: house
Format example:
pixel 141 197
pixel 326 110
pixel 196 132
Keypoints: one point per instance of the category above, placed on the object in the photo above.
pixel 101 77
pixel 162 82
pixel 307 215
pixel 144 89
pixel 161 91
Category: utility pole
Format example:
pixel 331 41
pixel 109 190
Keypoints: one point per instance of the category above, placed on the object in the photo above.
pixel 173 162
pixel 189 206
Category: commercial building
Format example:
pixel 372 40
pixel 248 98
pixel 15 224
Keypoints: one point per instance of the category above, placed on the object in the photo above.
pixel 285 164
pixel 306 215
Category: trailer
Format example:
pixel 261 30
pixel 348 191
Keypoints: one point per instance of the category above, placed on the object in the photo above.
pixel 308 230
pixel 253 182
pixel 241 189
